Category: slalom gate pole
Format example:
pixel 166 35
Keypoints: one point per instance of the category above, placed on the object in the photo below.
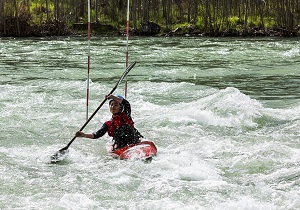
pixel 127 38
pixel 89 56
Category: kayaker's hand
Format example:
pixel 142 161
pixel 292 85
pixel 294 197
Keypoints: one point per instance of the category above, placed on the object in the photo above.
pixel 79 134
pixel 109 96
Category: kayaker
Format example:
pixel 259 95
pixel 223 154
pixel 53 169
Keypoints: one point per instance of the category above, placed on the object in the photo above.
pixel 120 126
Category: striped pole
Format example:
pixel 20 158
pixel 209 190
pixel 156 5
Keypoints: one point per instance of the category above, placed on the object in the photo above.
pixel 127 37
pixel 89 55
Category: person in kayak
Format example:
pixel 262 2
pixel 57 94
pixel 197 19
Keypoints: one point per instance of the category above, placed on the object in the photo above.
pixel 120 126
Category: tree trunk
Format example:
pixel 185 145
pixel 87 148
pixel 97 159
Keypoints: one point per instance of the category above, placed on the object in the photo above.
pixel 246 18
pixel 207 19
pixel 189 10
pixel 3 17
pixel 169 12
pixel 145 15
pixel 17 17
pixel 261 5
pixel 134 5
pixel 195 11
pixel 180 10
pixel 82 8
pixel 289 16
pixel 96 11
pixel 56 10
pixel 47 10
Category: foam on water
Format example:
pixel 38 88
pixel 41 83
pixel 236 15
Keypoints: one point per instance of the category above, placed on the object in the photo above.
pixel 193 159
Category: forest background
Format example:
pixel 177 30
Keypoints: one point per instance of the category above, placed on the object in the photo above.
pixel 23 18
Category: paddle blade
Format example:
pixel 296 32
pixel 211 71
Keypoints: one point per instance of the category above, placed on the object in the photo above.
pixel 59 156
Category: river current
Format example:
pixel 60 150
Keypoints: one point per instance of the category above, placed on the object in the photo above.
pixel 223 112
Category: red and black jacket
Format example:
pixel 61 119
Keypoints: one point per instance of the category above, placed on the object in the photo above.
pixel 116 121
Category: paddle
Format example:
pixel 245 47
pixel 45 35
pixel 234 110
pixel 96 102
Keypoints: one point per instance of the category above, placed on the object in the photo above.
pixel 59 155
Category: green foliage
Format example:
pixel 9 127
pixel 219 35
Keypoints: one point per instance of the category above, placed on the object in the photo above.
pixel 200 23
pixel 255 22
pixel 184 28
pixel 269 22
pixel 233 21
pixel 38 11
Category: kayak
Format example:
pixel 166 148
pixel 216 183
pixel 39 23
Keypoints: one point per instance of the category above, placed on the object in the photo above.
pixel 144 150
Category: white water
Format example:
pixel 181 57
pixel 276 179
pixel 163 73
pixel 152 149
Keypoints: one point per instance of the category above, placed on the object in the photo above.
pixel 227 132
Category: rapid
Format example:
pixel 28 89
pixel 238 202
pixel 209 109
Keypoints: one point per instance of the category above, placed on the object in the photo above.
pixel 224 114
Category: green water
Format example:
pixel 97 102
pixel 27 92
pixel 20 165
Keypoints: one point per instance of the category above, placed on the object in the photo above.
pixel 223 112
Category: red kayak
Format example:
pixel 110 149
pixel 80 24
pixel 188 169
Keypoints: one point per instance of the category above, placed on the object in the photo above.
pixel 144 150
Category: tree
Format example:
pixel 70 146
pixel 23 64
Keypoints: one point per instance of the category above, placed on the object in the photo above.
pixel 2 22
pixel 211 16
pixel 17 17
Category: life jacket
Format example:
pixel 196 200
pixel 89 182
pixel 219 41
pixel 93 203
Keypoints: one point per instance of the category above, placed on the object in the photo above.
pixel 116 121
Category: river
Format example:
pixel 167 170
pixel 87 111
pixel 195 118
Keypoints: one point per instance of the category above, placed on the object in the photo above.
pixel 223 112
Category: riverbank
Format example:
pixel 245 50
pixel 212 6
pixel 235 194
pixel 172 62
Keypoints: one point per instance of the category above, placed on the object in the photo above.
pixel 146 29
